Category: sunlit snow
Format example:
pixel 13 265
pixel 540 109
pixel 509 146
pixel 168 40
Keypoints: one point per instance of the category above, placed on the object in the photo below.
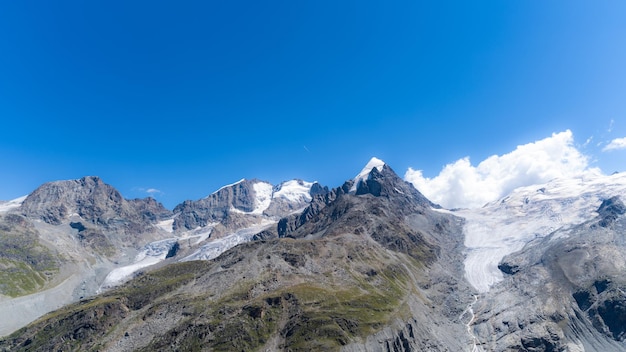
pixel 263 198
pixel 12 204
pixel 166 225
pixel 295 191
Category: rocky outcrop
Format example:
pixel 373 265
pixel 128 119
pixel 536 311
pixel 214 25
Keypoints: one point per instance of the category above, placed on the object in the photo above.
pixel 99 206
pixel 377 209
pixel 610 210
pixel 150 209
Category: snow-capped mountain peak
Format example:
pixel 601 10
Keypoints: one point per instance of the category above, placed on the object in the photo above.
pixel 363 175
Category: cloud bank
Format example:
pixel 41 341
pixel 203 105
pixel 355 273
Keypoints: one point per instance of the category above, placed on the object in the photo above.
pixel 616 144
pixel 463 185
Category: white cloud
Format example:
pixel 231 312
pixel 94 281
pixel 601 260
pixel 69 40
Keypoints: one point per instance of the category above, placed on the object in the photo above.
pixel 462 185
pixel 153 191
pixel 616 144
pixel 149 191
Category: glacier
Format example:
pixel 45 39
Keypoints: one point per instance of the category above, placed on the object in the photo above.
pixel 505 226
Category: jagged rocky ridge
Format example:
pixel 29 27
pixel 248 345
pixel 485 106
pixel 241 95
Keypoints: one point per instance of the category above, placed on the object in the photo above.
pixel 375 269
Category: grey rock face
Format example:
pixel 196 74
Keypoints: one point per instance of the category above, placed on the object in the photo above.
pixel 88 197
pixel 150 209
pixel 91 199
pixel 610 210
pixel 387 183
pixel 216 207
pixel 383 195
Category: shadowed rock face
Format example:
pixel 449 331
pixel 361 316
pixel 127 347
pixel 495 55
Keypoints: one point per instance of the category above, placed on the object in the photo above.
pixel 610 210
pixel 383 194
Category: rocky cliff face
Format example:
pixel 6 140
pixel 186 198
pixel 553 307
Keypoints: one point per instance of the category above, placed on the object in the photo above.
pixel 217 206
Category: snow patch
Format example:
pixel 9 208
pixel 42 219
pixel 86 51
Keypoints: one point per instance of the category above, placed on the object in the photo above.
pixel 362 176
pixel 120 275
pixel 294 191
pixel 263 198
pixel 166 225
pixel 12 204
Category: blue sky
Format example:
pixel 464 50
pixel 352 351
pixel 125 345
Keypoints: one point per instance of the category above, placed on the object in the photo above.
pixel 184 97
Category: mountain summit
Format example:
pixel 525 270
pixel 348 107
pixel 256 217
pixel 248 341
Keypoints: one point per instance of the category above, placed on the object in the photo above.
pixel 374 163
pixel 92 201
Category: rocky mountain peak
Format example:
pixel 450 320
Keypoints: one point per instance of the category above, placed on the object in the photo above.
pixel 150 209
pixel 88 197
pixel 373 164
pixel 377 190
pixel 90 200
pixel 379 179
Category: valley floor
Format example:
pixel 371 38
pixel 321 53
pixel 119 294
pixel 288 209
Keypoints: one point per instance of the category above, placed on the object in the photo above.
pixel 25 309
